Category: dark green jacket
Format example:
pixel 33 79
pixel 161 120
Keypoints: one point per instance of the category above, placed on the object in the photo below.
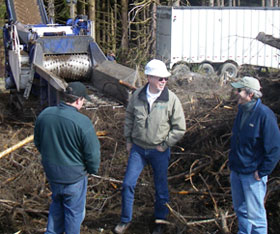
pixel 164 125
pixel 68 144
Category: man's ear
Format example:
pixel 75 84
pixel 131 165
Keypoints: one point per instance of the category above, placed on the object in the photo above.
pixel 77 100
pixel 80 99
pixel 251 95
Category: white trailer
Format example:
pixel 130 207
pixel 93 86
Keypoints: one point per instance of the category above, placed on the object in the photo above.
pixel 217 38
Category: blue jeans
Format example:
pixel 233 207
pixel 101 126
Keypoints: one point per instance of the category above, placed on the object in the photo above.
pixel 248 202
pixel 138 159
pixel 67 210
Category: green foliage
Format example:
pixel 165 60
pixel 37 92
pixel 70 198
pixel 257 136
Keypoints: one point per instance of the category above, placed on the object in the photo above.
pixel 62 11
pixel 2 16
pixel 132 57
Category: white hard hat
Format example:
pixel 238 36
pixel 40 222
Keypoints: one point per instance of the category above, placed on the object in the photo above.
pixel 156 68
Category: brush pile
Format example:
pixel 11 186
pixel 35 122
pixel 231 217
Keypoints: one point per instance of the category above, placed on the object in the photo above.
pixel 200 196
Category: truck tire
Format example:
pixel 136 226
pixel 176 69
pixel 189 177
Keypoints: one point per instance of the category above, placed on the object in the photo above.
pixel 207 68
pixel 230 70
pixel 181 68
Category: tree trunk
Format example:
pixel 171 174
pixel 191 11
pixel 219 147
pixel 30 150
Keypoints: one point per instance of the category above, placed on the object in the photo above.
pixel 114 26
pixel 51 11
pixel 81 7
pixel 91 14
pixel 97 23
pixel 103 24
pixel 175 3
pixel 124 11
pixel 72 10
pixel 154 26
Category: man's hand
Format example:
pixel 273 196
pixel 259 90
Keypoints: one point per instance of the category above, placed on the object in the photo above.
pixel 128 147
pixel 160 149
pixel 257 175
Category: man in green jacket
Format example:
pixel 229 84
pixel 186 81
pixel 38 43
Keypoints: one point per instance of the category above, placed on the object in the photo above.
pixel 154 122
pixel 70 149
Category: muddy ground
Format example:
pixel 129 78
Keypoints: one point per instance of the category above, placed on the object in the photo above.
pixel 200 197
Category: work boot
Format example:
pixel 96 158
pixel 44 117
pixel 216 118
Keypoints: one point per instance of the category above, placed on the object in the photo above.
pixel 121 228
pixel 158 229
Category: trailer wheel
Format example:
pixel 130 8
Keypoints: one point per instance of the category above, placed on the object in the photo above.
pixel 207 68
pixel 180 68
pixel 230 70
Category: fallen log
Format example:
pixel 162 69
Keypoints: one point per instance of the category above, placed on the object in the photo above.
pixel 269 40
pixel 31 138
pixel 17 146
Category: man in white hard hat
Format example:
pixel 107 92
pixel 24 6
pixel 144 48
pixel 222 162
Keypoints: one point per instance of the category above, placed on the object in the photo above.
pixel 154 122
pixel 255 151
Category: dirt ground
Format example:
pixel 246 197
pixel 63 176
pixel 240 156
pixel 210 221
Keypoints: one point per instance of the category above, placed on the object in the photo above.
pixel 200 197
pixel 27 11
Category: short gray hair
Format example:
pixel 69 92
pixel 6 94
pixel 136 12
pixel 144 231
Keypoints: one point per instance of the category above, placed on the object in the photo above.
pixel 257 93
pixel 65 97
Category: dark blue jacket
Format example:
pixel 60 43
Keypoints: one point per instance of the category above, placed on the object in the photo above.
pixel 256 146
pixel 68 144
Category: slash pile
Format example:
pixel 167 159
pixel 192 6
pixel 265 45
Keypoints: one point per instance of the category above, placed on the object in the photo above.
pixel 200 196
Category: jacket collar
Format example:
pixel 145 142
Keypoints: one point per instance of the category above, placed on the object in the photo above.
pixel 257 103
pixel 62 104
pixel 247 107
pixel 164 96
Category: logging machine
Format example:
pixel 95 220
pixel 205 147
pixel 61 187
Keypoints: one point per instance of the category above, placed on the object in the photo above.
pixel 42 57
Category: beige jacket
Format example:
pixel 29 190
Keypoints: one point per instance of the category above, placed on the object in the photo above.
pixel 164 125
